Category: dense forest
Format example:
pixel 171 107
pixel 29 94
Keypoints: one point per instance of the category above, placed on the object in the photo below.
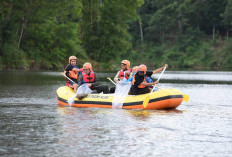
pixel 42 34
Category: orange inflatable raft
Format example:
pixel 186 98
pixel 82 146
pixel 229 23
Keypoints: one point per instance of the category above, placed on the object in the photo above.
pixel 161 99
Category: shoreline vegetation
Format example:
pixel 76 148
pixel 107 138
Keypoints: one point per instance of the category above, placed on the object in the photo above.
pixel 97 69
pixel 187 35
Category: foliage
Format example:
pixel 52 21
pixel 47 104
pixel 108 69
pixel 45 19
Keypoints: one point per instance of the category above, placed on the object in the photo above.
pixel 39 34
pixel 228 13
pixel 13 57
pixel 46 33
pixel 183 33
pixel 104 28
pixel 227 55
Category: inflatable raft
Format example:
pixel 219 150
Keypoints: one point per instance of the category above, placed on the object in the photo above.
pixel 161 99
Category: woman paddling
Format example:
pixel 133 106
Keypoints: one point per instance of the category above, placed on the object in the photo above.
pixel 139 83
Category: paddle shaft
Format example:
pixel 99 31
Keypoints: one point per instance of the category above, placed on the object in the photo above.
pixel 161 74
pixel 69 78
pixel 158 79
pixel 147 99
pixel 111 80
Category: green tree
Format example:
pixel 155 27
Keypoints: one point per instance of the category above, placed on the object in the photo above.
pixel 44 33
pixel 52 38
pixel 227 17
pixel 105 27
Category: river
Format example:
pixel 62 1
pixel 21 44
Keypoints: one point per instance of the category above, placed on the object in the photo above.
pixel 32 123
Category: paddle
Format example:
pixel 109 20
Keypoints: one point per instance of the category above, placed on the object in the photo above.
pixel 185 97
pixel 68 78
pixel 146 100
pixel 81 92
pixel 121 91
pixel 71 100
pixel 111 80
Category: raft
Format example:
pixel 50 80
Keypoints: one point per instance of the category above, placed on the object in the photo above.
pixel 161 99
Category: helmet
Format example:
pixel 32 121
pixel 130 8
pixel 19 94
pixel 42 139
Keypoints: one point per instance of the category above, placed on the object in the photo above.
pixel 87 66
pixel 72 58
pixel 135 69
pixel 143 68
pixel 127 63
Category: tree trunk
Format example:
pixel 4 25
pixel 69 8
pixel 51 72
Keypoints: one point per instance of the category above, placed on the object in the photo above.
pixel 25 20
pixel 141 31
pixel 24 23
pixel 100 2
pixel 180 21
pixel 162 36
pixel 213 32
pixel 91 14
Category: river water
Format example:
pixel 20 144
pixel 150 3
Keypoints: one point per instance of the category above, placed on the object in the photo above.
pixel 32 123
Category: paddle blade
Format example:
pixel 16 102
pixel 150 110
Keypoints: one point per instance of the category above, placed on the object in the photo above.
pixel 146 101
pixel 71 100
pixel 185 97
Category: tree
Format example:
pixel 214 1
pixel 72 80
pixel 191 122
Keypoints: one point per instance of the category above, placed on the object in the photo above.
pixel 43 33
pixel 227 17
pixel 105 27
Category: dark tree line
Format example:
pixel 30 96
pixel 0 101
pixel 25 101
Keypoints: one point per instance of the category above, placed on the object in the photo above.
pixel 184 33
pixel 37 34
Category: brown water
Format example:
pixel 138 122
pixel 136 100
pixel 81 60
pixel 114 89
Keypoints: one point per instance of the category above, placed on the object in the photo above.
pixel 32 124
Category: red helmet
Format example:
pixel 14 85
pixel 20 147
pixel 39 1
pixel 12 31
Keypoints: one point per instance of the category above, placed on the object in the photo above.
pixel 72 58
pixel 143 68
pixel 135 69
pixel 127 63
pixel 87 66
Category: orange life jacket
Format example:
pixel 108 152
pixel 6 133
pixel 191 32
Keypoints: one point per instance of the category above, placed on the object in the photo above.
pixel 88 78
pixel 122 73
pixel 139 86
pixel 73 74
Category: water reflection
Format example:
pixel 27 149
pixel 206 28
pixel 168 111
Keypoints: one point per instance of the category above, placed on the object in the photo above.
pixel 32 123
pixel 141 114
pixel 146 114
pixel 64 110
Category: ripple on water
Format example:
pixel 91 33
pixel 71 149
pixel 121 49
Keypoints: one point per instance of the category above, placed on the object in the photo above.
pixel 32 123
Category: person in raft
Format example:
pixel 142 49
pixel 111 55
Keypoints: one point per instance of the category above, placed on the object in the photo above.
pixel 72 72
pixel 139 83
pixel 90 77
pixel 134 71
pixel 125 72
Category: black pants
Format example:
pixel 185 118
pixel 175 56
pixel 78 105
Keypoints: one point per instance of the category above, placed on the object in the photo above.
pixel 102 88
pixel 112 89
pixel 137 91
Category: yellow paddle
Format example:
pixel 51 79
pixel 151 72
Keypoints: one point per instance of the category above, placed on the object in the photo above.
pixel 111 80
pixel 185 97
pixel 68 78
pixel 76 95
pixel 146 100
